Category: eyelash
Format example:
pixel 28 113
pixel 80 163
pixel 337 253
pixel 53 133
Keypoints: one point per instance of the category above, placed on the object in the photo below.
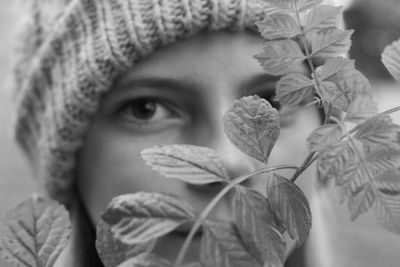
pixel 270 98
pixel 132 106
pixel 287 115
pixel 130 109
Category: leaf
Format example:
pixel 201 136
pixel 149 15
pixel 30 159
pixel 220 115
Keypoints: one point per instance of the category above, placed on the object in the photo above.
pixel 193 264
pixel 376 162
pixel 333 160
pixel 141 217
pixel 322 17
pixel 221 246
pixel 389 182
pixel 252 125
pixel 336 65
pixel 290 206
pixel 387 211
pixel 285 5
pixel 111 251
pixel 323 137
pixel 34 233
pixel 357 178
pixel 384 192
pixel 293 88
pixel 341 89
pixel 280 57
pixel 361 200
pixel 329 92
pixel 258 228
pixel 391 59
pixel 359 174
pixel 383 159
pixel 272 10
pixel 362 108
pixel 304 5
pixel 353 176
pixel 329 42
pixel 377 130
pixel 143 260
pixel 290 5
pixel 278 26
pixel 188 163
pixel 387 206
pixel 352 83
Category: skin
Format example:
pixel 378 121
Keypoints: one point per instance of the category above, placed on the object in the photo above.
pixel 179 95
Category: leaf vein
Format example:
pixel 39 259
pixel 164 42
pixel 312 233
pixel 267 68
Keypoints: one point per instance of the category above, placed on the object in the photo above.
pixel 21 260
pixel 20 241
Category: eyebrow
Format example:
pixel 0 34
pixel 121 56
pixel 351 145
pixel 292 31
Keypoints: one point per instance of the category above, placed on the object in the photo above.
pixel 186 85
pixel 159 82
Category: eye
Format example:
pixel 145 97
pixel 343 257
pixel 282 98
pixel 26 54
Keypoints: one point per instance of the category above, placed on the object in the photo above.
pixel 270 97
pixel 145 110
pixel 287 114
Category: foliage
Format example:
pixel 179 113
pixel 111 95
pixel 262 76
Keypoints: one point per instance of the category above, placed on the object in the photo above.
pixel 359 150
pixel 34 233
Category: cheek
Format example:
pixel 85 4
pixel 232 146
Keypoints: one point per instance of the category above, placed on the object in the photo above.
pixel 102 173
pixel 291 148
pixel 291 145
pixel 109 164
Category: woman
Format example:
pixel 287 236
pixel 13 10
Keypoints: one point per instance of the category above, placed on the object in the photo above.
pixel 99 81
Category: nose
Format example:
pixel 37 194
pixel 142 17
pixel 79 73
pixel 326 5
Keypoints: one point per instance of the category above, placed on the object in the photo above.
pixel 236 162
pixel 210 133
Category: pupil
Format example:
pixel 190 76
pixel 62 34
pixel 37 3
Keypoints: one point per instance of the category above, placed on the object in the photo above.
pixel 144 109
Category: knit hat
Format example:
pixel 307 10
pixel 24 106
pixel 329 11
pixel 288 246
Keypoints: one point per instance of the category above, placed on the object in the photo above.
pixel 72 52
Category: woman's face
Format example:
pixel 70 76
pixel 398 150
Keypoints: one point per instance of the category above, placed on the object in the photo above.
pixel 179 95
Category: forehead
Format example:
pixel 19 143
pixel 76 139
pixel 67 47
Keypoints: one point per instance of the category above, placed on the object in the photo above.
pixel 208 56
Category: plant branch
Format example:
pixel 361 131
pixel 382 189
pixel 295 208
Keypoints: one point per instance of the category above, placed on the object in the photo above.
pixel 306 163
pixel 308 59
pixel 387 112
pixel 392 110
pixel 314 156
pixel 215 200
pixel 310 158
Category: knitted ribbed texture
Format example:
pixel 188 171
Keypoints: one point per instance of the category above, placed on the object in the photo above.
pixel 73 52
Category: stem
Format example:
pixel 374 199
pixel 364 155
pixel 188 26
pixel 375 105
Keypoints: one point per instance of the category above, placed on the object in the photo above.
pixel 315 102
pixel 387 112
pixel 310 158
pixel 303 40
pixel 215 200
pixel 392 110
pixel 314 156
pixel 307 162
pixel 308 59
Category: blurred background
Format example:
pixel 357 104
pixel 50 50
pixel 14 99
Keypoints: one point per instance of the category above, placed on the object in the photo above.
pixel 363 243
pixel 15 181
